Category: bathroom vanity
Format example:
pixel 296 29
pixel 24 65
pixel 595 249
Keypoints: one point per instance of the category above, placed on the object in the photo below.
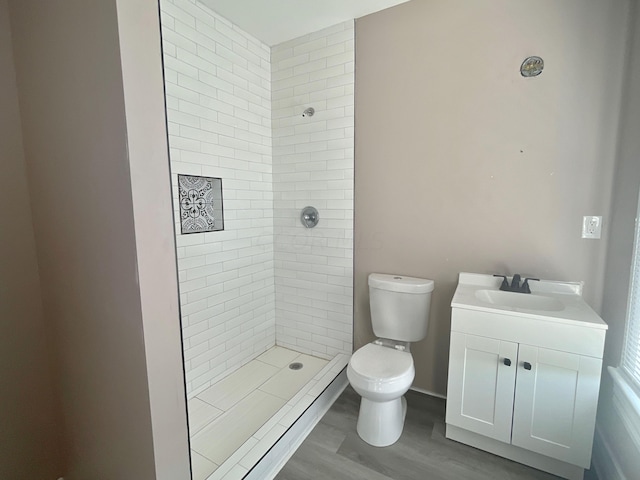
pixel 524 373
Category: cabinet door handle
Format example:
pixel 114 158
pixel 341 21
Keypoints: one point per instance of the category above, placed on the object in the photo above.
pixel 507 362
pixel 527 366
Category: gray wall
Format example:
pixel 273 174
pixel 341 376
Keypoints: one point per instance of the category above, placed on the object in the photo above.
pixel 29 423
pixel 463 165
pixel 614 444
pixel 624 205
pixel 91 99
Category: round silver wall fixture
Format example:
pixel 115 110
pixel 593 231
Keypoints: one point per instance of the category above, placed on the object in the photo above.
pixel 309 217
pixel 309 112
pixel 531 67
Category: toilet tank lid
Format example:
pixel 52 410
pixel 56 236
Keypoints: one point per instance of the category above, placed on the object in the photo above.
pixel 400 283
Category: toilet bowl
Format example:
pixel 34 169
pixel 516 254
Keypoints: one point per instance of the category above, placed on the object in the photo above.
pixel 381 375
pixel 382 371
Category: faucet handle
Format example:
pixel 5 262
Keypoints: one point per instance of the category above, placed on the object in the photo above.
pixel 525 285
pixel 505 284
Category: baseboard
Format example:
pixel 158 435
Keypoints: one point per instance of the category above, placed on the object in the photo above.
pixel 428 392
pixel 604 459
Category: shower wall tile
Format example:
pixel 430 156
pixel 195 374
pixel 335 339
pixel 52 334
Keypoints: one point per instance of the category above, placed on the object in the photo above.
pixel 218 84
pixel 313 165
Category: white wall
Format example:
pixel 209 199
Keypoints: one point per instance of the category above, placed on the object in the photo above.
pixel 147 151
pixel 219 111
pixel 313 165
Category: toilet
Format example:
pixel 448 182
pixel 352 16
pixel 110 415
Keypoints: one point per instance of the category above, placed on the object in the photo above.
pixel 382 371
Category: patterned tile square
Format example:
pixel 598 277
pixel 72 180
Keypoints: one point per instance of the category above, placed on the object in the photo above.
pixel 200 204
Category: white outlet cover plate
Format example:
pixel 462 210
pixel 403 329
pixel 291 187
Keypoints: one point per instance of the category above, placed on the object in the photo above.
pixel 591 227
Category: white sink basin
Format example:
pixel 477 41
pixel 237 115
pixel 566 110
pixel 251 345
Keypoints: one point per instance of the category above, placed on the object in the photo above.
pixel 549 300
pixel 527 301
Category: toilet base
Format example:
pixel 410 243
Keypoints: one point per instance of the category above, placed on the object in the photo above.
pixel 380 423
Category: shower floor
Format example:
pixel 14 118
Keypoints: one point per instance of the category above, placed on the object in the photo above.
pixel 234 422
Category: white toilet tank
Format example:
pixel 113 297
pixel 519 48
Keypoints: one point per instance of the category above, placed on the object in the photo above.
pixel 399 306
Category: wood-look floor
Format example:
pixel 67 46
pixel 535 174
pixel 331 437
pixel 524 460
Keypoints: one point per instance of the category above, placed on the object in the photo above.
pixel 334 451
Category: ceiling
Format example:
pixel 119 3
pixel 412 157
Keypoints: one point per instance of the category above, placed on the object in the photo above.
pixel 276 21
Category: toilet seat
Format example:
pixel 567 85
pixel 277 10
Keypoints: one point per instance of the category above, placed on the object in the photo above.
pixel 379 364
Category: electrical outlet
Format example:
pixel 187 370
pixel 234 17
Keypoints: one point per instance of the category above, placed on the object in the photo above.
pixel 591 227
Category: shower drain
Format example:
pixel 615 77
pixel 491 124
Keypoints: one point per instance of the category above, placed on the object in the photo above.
pixel 295 366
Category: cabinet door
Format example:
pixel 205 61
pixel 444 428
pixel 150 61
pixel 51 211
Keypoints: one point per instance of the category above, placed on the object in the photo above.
pixel 555 405
pixel 480 386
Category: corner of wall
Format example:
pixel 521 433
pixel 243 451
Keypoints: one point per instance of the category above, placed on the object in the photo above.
pixel 611 455
pixel 148 159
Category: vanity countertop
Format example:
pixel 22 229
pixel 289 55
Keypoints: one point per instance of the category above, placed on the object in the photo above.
pixel 560 302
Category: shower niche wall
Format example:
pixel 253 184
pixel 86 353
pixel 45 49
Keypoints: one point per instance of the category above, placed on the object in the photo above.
pixel 264 292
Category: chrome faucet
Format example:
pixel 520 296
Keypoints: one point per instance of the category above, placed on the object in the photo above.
pixel 515 284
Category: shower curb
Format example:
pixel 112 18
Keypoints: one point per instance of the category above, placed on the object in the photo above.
pixel 273 461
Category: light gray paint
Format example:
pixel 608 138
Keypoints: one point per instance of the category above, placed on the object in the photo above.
pixel 464 165
pixel 612 428
pixel 102 220
pixel 30 424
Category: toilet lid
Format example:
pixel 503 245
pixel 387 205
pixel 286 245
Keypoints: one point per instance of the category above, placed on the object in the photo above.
pixel 378 362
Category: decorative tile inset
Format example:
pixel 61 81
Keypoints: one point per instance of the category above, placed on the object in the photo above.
pixel 200 204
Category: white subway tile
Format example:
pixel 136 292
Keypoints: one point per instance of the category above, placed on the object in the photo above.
pixel 215 81
pixel 316 44
pixel 181 143
pixel 226 101
pixel 200 12
pixel 308 86
pixel 181 93
pixel 343 36
pixel 311 67
pixel 166 19
pixel 183 118
pixel 230 33
pixel 178 13
pixel 233 57
pixel 187 132
pixel 215 105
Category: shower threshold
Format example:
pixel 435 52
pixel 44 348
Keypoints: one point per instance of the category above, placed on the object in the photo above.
pixel 235 422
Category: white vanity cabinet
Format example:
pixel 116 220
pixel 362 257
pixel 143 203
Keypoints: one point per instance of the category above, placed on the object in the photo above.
pixel 481 387
pixel 555 404
pixel 543 400
pixel 523 385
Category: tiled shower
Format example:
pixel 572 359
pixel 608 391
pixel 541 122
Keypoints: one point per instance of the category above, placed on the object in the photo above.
pixel 313 165
pixel 234 109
